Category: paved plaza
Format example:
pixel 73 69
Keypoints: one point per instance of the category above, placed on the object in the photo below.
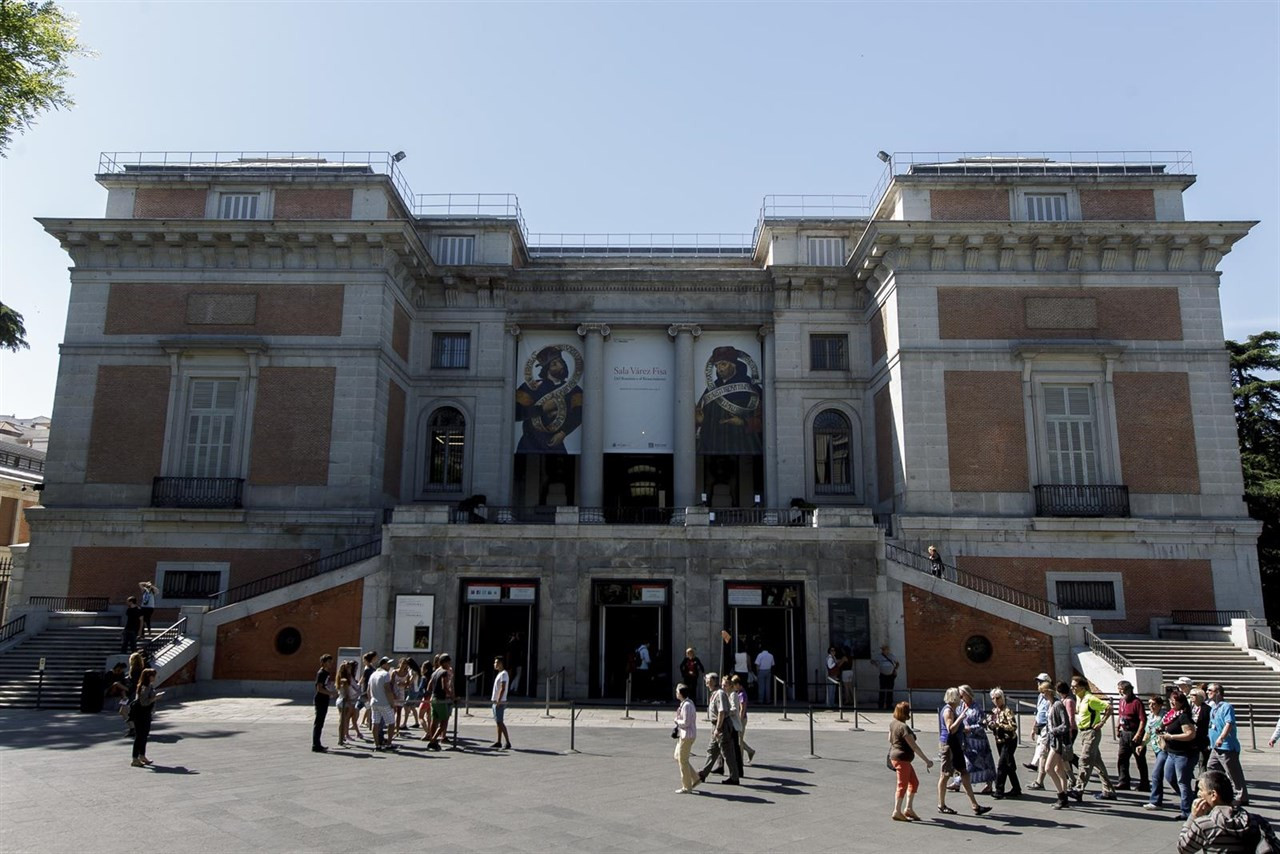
pixel 238 774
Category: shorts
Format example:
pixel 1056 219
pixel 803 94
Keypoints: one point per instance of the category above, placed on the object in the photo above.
pixel 952 760
pixel 439 710
pixel 498 712
pixel 382 714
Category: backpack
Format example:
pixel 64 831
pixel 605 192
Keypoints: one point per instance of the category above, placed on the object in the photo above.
pixel 633 661
pixel 1267 841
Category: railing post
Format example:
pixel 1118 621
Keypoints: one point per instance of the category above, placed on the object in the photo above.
pixel 573 720
pixel 454 745
pixel 1253 736
pixel 779 680
pixel 855 727
pixel 811 750
pixel 626 700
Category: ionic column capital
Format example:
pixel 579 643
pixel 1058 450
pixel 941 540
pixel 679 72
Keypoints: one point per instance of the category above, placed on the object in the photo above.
pixel 675 329
pixel 586 329
pixel 764 331
pixel 513 329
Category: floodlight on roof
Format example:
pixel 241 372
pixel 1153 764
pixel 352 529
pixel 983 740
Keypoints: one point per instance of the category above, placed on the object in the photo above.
pixel 884 156
pixel 398 156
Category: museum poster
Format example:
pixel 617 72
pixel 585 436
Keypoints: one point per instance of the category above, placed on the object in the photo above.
pixel 548 411
pixel 415 616
pixel 639 393
pixel 850 621
pixel 729 413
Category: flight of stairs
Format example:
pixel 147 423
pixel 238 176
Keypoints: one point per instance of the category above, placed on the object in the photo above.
pixel 1245 679
pixel 68 653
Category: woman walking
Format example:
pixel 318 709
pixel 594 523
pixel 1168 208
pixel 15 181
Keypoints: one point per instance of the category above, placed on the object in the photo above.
pixel 977 750
pixel 1178 732
pixel 1004 726
pixel 1155 720
pixel 1058 763
pixel 902 750
pixel 951 741
pixel 141 711
pixel 686 732
pixel 745 751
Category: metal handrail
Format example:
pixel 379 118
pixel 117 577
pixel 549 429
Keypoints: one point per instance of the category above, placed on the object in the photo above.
pixel 479 205
pixel 293 575
pixel 972 581
pixel 19 461
pixel 1107 652
pixel 785 517
pixel 558 678
pixel 1207 618
pixel 639 244
pixel 13 628
pixel 70 603
pixel 1264 643
pixel 665 516
pixel 171 635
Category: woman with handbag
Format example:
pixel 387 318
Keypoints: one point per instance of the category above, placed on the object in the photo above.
pixel 902 750
pixel 684 732
pixel 1058 761
pixel 1004 726
pixel 1177 733
pixel 140 713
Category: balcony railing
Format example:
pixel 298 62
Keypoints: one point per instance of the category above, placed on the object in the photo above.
pixel 202 492
pixel 1207 618
pixel 69 603
pixel 639 245
pixel 786 517
pixel 293 575
pixel 631 515
pixel 12 460
pixel 972 581
pixel 1072 500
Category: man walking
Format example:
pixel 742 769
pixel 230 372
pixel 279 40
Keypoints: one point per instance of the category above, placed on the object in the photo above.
pixel 724 738
pixel 1132 733
pixel 324 690
pixel 764 675
pixel 441 690
pixel 1225 743
pixel 1040 732
pixel 501 684
pixel 1091 715
pixel 888 667
pixel 382 710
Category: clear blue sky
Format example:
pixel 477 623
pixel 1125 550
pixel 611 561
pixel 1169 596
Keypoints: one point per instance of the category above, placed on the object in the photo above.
pixel 651 117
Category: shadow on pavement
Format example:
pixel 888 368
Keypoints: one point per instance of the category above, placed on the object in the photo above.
pixel 172 769
pixel 760 766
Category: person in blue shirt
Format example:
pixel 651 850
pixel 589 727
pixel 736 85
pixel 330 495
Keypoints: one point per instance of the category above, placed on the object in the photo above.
pixel 1224 743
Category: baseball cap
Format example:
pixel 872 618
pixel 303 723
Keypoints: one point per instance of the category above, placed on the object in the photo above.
pixel 1043 677
pixel 384 660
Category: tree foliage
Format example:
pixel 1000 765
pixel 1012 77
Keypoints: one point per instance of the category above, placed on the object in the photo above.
pixel 37 40
pixel 1255 382
pixel 13 335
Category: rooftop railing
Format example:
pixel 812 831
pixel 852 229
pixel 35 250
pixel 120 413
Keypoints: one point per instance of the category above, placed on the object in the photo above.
pixel 640 245
pixel 15 460
pixel 460 205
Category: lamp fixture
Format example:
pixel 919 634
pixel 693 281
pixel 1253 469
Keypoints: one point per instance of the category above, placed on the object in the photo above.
pixel 884 156
pixel 398 156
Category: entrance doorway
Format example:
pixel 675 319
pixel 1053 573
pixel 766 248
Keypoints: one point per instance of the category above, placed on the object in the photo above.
pixel 636 487
pixel 499 618
pixel 624 615
pixel 735 481
pixel 767 616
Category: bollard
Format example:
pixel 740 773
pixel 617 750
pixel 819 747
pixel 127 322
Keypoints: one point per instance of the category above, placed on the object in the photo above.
pixel 454 746
pixel 779 682
pixel 40 685
pixel 1253 737
pixel 855 727
pixel 811 751
pixel 626 701
pixel 573 720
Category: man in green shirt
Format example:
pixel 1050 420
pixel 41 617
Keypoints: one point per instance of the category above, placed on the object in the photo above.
pixel 1091 716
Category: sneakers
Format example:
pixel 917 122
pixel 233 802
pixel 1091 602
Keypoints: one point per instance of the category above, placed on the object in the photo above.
pixel 318 748
pixel 1076 794
pixel 497 745
pixel 1030 766
pixel 1104 796
pixel 1150 806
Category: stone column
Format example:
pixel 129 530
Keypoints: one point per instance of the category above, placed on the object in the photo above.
pixel 685 474
pixel 506 433
pixel 591 464
pixel 767 378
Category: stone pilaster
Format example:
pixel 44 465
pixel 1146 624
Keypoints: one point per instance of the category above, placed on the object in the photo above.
pixel 685 476
pixel 767 378
pixel 506 441
pixel 591 464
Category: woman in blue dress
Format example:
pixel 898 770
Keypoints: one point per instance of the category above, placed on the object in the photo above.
pixel 977 750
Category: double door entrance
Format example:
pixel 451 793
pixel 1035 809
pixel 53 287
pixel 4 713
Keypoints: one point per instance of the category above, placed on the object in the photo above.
pixel 766 617
pixel 625 615
pixel 499 618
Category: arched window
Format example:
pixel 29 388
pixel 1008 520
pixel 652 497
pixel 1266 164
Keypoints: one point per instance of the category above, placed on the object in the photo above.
pixel 832 460
pixel 446 441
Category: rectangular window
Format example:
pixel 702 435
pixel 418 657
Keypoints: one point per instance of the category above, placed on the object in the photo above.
pixel 238 206
pixel 1076 596
pixel 184 582
pixel 1046 207
pixel 456 249
pixel 210 427
pixel 450 349
pixel 828 353
pixel 826 251
pixel 1071 435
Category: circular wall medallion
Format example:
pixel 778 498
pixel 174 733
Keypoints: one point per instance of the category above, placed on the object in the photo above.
pixel 978 649
pixel 288 641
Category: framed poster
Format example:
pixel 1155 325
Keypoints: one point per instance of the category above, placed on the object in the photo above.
pixel 415 618
pixel 850 621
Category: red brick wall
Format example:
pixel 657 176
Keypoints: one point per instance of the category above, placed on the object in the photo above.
pixel 169 204
pixel 879 345
pixel 1157 438
pixel 969 204
pixel 115 572
pixel 1118 204
pixel 185 675
pixel 292 421
pixel 1151 314
pixel 936 631
pixel 391 464
pixel 326 621
pixel 126 436
pixel 400 333
pixel 884 444
pixel 986 431
pixel 1152 588
pixel 24 531
pixel 313 204
pixel 8 521
pixel 149 309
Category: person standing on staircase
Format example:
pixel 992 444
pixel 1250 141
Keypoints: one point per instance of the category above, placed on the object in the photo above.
pixel 132 623
pixel 1224 742
pixel 148 605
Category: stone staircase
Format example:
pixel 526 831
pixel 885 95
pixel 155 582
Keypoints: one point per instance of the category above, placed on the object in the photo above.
pixel 1246 680
pixel 68 652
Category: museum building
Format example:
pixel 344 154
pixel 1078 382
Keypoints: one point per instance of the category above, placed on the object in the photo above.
pixel 319 411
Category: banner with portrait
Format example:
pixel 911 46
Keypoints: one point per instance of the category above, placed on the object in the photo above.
pixel 729 414
pixel 639 393
pixel 548 413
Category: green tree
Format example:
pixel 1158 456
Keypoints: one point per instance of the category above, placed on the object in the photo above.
pixel 13 335
pixel 1257 400
pixel 37 40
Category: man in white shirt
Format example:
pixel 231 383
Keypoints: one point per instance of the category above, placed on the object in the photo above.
pixel 764 675
pixel 501 685
pixel 643 687
pixel 382 705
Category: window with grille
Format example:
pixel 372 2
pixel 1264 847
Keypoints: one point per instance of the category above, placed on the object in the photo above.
pixel 828 353
pixel 447 437
pixel 238 206
pixel 826 251
pixel 450 349
pixel 457 249
pixel 832 463
pixel 190 585
pixel 1046 207
pixel 210 428
pixel 1086 595
pixel 1071 435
